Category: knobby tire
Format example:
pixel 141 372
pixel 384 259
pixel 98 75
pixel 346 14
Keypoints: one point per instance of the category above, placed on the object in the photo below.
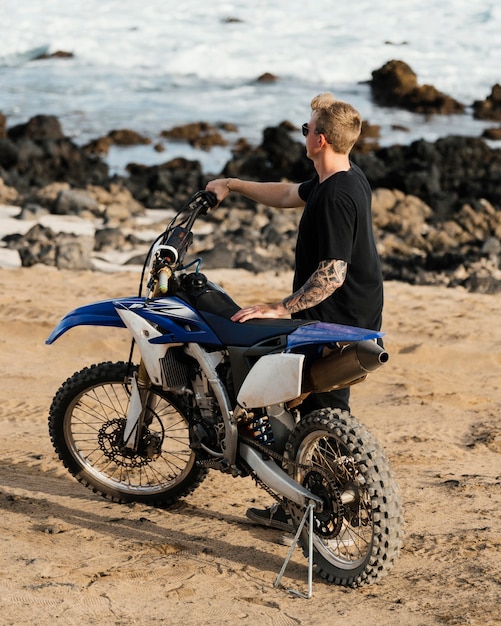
pixel 85 421
pixel 366 531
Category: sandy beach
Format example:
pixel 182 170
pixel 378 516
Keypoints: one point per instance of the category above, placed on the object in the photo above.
pixel 70 557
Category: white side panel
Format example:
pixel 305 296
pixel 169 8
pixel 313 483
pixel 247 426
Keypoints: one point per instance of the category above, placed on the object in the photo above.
pixel 273 379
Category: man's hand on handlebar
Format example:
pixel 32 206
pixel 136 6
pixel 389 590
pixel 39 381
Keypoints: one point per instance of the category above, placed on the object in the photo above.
pixel 220 187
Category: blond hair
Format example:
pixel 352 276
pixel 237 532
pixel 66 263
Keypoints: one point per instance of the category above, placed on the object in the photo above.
pixel 338 121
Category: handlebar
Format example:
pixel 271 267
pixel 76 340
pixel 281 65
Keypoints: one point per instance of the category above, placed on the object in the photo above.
pixel 176 240
pixel 200 204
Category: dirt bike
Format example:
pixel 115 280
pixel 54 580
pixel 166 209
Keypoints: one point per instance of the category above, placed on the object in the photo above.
pixel 209 393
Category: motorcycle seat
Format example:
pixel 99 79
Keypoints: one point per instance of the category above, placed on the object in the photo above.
pixel 251 332
pixel 217 307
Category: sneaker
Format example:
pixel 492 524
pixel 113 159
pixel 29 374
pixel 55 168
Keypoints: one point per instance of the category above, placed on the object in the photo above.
pixel 272 517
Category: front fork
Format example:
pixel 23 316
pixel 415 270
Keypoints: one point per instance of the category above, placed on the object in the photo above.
pixel 139 408
pixel 141 399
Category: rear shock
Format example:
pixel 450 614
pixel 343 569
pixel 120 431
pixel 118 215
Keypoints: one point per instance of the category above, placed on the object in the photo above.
pixel 257 427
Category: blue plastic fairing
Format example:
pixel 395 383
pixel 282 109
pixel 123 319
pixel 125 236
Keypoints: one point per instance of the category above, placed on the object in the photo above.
pixel 101 313
pixel 178 321
pixel 323 333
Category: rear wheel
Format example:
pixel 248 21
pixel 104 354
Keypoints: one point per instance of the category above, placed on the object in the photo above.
pixel 86 423
pixel 358 534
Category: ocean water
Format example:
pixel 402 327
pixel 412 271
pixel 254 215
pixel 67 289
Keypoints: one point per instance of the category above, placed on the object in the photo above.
pixel 152 65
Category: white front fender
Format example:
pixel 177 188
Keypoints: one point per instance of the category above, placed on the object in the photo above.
pixel 273 379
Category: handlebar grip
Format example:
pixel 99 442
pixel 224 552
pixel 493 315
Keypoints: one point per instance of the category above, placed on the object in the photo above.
pixel 203 201
pixel 163 279
pixel 211 198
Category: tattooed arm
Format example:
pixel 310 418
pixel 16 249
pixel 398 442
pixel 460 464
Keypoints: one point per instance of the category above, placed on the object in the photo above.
pixel 324 281
pixel 328 277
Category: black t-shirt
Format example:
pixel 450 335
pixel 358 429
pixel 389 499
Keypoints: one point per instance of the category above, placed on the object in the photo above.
pixel 337 224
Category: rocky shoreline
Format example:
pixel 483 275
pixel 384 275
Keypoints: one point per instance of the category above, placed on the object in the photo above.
pixel 437 206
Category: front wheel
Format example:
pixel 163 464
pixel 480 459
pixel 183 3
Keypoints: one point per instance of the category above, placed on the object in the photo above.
pixel 358 534
pixel 86 423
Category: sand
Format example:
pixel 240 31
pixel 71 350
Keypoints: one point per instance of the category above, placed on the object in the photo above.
pixel 71 557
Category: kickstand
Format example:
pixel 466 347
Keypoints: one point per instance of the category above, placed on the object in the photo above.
pixel 308 511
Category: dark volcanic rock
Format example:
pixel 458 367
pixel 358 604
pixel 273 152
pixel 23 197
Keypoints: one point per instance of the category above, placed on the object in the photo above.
pixel 58 54
pixel 267 77
pixel 8 154
pixel 65 251
pixel 165 185
pixel 492 133
pixel 490 108
pixel 199 135
pixel 76 202
pixel 278 157
pixel 368 140
pixel 37 153
pixel 445 174
pixel 123 137
pixel 109 239
pixel 38 128
pixel 395 85
pixel 391 83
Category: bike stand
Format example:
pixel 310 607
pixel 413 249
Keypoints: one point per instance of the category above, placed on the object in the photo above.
pixel 308 511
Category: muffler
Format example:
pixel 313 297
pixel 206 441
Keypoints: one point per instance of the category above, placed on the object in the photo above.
pixel 346 365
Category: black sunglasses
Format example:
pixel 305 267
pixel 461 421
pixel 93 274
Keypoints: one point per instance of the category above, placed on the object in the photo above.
pixel 305 129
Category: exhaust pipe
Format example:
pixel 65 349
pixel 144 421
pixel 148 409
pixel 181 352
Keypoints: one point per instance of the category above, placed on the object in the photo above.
pixel 346 365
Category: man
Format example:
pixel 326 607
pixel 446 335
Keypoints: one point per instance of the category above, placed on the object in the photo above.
pixel 337 275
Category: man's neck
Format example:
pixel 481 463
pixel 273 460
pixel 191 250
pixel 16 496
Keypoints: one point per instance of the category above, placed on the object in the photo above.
pixel 326 166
